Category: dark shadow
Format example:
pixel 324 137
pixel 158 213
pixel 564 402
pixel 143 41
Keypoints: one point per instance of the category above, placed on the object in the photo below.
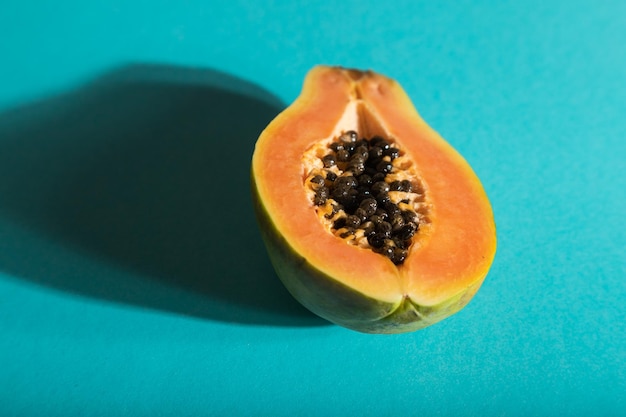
pixel 143 171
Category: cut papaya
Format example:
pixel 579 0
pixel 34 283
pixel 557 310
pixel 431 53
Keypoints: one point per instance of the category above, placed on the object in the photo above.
pixel 371 220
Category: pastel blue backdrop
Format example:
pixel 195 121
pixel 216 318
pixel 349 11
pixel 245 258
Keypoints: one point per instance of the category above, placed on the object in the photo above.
pixel 133 281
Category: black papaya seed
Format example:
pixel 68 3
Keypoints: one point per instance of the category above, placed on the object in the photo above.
pixel 376 240
pixel 380 187
pixel 329 161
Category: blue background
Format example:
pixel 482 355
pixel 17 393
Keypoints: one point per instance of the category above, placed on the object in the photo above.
pixel 132 277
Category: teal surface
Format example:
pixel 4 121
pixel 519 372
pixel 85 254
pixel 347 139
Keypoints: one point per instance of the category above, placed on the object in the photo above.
pixel 133 281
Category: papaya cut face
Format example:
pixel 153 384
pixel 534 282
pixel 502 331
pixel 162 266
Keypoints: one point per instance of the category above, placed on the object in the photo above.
pixel 371 219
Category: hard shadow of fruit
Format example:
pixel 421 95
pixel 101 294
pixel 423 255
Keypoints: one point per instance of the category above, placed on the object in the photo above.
pixel 145 170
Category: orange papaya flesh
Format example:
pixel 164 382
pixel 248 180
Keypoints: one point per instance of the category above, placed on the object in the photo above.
pixel 350 285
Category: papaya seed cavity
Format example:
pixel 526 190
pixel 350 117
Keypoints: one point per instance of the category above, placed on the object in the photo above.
pixel 366 192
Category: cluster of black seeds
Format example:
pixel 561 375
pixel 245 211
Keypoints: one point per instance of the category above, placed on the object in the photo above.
pixel 360 190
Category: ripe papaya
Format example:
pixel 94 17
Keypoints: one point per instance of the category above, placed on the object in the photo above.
pixel 371 220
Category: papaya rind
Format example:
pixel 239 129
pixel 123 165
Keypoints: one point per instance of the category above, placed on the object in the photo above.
pixel 339 303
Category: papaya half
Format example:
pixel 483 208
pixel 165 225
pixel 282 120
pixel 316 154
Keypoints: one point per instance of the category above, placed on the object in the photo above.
pixel 371 220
